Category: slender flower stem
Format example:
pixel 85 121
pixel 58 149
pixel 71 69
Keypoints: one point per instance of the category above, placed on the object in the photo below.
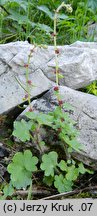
pixel 27 77
pixel 69 9
pixel 55 40
pixel 55 46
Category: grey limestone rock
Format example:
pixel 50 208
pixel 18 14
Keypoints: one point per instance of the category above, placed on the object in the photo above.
pixel 84 114
pixel 13 57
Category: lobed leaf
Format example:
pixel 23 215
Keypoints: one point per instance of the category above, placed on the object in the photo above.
pixel 21 169
pixel 62 184
pixel 72 173
pixel 21 130
pixel 29 161
pixel 63 165
pixel 49 163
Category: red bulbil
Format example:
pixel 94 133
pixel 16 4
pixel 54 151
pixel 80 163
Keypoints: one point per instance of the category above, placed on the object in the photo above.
pixel 57 51
pixel 53 34
pixel 32 50
pixel 62 119
pixel 26 65
pixel 56 72
pixel 59 130
pixel 26 96
pixel 30 109
pixel 56 88
pixel 60 102
pixel 29 82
